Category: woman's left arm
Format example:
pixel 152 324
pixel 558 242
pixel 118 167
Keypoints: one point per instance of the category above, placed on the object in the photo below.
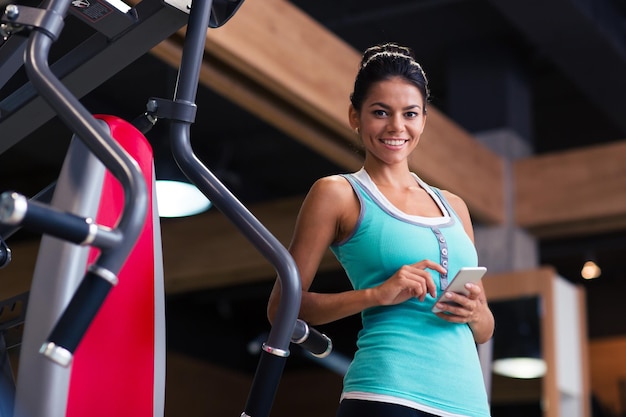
pixel 473 309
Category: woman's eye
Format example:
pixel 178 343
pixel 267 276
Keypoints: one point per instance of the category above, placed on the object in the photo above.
pixel 411 114
pixel 380 113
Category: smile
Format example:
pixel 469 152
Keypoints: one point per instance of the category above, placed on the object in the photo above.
pixel 394 142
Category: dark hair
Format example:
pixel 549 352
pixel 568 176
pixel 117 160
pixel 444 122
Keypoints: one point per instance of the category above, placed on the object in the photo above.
pixel 384 61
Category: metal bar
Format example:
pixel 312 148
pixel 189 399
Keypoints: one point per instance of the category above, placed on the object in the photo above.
pixel 98 140
pixel 276 349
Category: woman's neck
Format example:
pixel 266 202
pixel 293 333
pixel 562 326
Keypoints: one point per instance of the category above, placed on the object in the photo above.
pixel 397 176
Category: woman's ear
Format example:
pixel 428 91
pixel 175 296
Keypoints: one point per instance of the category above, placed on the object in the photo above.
pixel 353 117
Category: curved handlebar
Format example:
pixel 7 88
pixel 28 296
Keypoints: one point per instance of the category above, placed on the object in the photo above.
pixel 115 159
pixel 276 348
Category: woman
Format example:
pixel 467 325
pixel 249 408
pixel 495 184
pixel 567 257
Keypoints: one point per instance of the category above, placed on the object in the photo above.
pixel 398 240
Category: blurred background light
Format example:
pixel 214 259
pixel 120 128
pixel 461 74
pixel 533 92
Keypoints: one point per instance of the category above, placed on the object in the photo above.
pixel 180 199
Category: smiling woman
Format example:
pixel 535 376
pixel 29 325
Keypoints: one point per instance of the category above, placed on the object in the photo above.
pixel 398 240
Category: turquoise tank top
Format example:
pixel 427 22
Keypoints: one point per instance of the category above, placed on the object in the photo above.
pixel 405 353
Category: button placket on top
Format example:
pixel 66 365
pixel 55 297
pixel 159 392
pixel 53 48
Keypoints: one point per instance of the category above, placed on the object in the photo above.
pixel 443 256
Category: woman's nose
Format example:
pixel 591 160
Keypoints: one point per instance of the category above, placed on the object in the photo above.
pixel 395 124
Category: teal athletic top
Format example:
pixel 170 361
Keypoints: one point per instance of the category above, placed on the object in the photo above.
pixel 406 354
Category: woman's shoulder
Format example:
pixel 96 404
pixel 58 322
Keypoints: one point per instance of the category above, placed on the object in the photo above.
pixel 334 195
pixel 332 185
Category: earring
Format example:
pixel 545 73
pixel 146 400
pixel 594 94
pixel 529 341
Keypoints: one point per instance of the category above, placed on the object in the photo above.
pixel 357 131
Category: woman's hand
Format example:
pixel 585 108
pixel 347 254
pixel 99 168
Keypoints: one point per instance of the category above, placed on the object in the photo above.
pixel 410 281
pixel 471 309
pixel 462 309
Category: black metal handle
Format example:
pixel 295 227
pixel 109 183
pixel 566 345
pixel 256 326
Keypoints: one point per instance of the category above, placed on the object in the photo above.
pixel 311 339
pixel 17 210
pixel 78 315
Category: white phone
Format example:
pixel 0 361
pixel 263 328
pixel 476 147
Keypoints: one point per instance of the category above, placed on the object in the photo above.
pixel 466 274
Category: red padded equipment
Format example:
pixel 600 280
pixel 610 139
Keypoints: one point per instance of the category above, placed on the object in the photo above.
pixel 113 371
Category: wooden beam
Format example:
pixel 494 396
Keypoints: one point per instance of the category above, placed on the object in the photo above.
pixel 581 191
pixel 283 49
pixel 266 106
pixel 301 84
pixel 517 284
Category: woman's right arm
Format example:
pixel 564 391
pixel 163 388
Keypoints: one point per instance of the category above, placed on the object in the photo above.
pixel 328 207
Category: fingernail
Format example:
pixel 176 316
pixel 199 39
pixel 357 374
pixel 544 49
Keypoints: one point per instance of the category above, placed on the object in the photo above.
pixel 448 295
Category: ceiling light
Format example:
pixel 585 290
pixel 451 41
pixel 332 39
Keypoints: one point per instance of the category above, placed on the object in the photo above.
pixel 590 270
pixel 524 368
pixel 176 195
pixel 180 199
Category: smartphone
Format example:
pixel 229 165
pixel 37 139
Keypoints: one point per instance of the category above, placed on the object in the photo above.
pixel 466 274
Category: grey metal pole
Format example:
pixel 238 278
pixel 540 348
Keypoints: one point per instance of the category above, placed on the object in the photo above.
pixel 276 349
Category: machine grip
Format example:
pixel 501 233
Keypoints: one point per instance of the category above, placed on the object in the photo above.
pixel 311 339
pixel 16 209
pixel 78 315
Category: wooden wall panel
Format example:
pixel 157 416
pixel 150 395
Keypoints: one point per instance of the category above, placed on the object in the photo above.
pixel 574 192
pixel 608 371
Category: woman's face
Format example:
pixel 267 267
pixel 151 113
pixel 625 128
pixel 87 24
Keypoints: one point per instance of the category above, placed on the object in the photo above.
pixel 391 120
